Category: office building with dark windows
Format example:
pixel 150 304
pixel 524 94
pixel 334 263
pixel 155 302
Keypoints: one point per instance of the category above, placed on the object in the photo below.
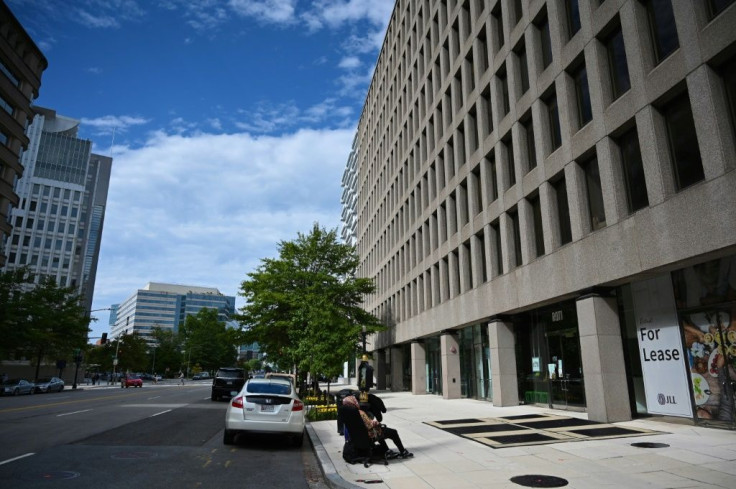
pixel 545 195
pixel 58 222
pixel 21 67
pixel 166 306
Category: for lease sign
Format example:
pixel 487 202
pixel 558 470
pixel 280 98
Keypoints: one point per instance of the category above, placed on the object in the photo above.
pixel 660 348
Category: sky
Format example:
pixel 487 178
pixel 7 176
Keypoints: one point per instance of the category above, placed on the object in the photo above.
pixel 229 123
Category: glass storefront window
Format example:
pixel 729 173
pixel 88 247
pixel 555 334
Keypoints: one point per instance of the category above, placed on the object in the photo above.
pixel 433 366
pixel 475 362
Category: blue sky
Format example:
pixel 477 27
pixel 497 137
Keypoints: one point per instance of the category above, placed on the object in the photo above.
pixel 229 123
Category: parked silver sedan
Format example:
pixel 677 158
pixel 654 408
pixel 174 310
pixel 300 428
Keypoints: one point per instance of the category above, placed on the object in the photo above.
pixel 49 384
pixel 15 387
pixel 266 406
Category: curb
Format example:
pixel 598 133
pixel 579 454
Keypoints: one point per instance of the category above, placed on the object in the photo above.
pixel 332 477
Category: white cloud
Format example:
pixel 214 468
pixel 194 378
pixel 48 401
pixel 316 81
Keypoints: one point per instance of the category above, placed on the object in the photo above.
pixel 275 11
pixel 96 21
pixel 109 123
pixel 203 210
pixel 349 62
pixel 334 13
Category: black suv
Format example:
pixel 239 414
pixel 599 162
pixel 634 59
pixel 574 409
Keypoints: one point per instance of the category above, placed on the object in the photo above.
pixel 227 380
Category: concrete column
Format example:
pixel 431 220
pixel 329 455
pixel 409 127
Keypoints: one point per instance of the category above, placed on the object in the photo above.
pixel 450 352
pixel 397 369
pixel 379 362
pixel 503 363
pixel 418 371
pixel 601 349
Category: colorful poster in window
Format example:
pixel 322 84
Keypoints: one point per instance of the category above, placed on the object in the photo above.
pixel 660 348
pixel 706 303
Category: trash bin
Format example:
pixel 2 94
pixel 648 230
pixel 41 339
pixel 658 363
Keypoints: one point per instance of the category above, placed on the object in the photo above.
pixel 338 400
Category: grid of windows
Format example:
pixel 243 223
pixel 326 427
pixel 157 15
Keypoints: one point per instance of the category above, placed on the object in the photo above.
pixel 440 207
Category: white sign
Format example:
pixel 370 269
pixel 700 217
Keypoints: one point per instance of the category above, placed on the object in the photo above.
pixel 535 365
pixel 663 359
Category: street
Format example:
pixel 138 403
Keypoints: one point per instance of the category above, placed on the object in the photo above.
pixel 159 435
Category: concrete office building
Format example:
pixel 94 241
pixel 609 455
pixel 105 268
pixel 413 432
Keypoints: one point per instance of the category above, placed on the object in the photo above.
pixel 57 225
pixel 546 199
pixel 166 306
pixel 21 67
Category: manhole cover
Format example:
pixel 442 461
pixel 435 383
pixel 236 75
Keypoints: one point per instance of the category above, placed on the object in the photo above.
pixel 649 444
pixel 133 455
pixel 55 475
pixel 539 481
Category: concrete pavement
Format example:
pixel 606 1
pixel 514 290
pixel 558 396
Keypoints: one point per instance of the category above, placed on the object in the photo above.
pixel 697 457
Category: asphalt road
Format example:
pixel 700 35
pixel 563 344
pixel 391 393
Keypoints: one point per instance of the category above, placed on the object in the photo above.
pixel 160 436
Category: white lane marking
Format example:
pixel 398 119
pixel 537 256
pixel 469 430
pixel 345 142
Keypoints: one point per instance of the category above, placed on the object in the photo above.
pixel 162 412
pixel 16 458
pixel 154 397
pixel 73 412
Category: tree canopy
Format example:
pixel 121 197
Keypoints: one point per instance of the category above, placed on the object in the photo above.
pixel 207 341
pixel 303 308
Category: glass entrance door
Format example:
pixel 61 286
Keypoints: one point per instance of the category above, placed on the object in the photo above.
pixel 566 369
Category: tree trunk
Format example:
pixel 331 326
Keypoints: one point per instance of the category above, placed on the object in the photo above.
pixel 38 363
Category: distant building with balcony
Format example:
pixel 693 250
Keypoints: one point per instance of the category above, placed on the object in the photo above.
pixel 21 67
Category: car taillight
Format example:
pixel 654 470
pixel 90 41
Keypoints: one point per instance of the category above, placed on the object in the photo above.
pixel 298 405
pixel 237 402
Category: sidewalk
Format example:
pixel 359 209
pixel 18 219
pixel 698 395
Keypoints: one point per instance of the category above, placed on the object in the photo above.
pixel 695 458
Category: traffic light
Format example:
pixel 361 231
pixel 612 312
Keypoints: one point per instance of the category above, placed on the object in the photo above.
pixel 103 340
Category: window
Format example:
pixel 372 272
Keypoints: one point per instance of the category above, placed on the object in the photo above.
pixel 728 73
pixel 594 194
pixel 582 94
pixel 497 24
pixel 563 211
pixel 715 7
pixel 510 161
pixel 531 148
pixel 516 229
pixel 683 142
pixel 498 250
pixel 536 206
pixel 516 4
pixel 618 69
pixel 555 134
pixel 662 26
pixel 504 84
pixel 572 10
pixel 633 169
pixel 546 41
pixel 523 68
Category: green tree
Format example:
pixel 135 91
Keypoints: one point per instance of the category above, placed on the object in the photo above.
pixel 132 353
pixel 13 319
pixel 207 341
pixel 57 322
pixel 167 351
pixel 303 308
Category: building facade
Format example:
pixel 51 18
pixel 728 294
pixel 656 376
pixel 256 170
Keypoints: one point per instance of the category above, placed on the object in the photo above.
pixel 21 67
pixel 166 306
pixel 58 222
pixel 546 200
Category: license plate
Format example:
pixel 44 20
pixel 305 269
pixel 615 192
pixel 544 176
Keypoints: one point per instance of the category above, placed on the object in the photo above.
pixel 266 409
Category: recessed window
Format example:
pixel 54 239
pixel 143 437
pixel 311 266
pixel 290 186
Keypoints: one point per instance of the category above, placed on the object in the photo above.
pixel 582 94
pixel 728 73
pixel 553 114
pixel 531 148
pixel 715 7
pixel 546 42
pixel 497 248
pixel 662 26
pixel 572 10
pixel 538 230
pixel 497 25
pixel 510 161
pixel 563 211
pixel 633 170
pixel 618 69
pixel 594 193
pixel 504 84
pixel 683 141
pixel 516 230
pixel 520 52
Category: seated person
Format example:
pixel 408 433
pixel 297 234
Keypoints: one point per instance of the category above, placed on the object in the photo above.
pixel 376 431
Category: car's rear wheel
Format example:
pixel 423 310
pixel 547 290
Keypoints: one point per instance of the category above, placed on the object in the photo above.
pixel 228 437
pixel 298 440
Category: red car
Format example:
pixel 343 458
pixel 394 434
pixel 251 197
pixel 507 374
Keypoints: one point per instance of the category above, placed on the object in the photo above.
pixel 131 380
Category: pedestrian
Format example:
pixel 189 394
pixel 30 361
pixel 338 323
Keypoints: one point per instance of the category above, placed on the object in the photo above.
pixel 376 430
pixel 181 377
